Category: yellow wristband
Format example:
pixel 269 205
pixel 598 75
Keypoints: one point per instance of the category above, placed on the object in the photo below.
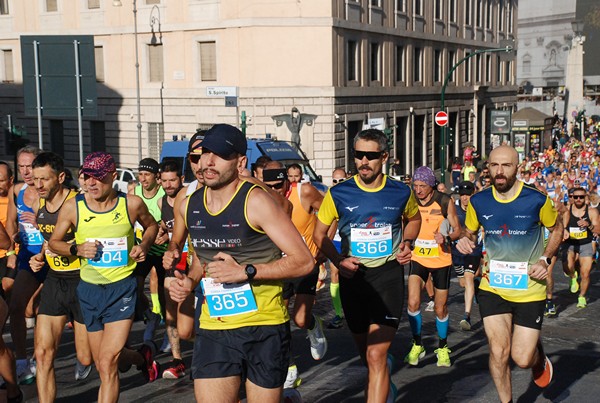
pixel 10 253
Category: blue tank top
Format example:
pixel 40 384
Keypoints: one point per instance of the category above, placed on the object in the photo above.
pixel 30 236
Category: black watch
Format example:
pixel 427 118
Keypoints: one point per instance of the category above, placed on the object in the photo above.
pixel 411 243
pixel 449 240
pixel 250 271
pixel 548 260
pixel 73 249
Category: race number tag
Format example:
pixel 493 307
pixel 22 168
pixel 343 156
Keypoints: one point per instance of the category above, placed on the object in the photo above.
pixel 371 242
pixel 228 299
pixel 62 263
pixel 577 233
pixel 508 275
pixel 111 253
pixel 32 235
pixel 426 248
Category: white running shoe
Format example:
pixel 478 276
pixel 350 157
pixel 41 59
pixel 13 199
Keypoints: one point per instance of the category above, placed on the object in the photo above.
pixel 318 341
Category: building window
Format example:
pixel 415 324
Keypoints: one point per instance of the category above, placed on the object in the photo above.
pixel 451 62
pixel 208 61
pixel 418 65
pixel 375 62
pixel 507 72
pixel 478 68
pixel 155 57
pixel 400 64
pixel 98 134
pixel 376 3
pixel 352 62
pixel 156 138
pixel 7 73
pixel 488 14
pixel 437 66
pixel 452 10
pixel 510 16
pixel 92 4
pixel 488 68
pixel 3 7
pixel 418 7
pixel 468 17
pixel 467 67
pixel 478 13
pixel 499 71
pixel 99 60
pixel 401 6
pixel 51 6
pixel 438 9
pixel 501 15
pixel 526 64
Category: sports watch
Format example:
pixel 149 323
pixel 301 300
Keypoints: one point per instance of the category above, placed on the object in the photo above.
pixel 250 271
pixel 546 259
pixel 73 249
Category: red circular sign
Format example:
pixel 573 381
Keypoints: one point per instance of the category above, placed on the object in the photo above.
pixel 441 118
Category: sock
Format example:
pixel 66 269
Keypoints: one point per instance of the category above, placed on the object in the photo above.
pixel 442 326
pixel 442 343
pixel 467 315
pixel 415 319
pixel 155 304
pixel 334 290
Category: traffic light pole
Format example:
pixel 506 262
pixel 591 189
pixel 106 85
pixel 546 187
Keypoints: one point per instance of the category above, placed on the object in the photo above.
pixel 443 103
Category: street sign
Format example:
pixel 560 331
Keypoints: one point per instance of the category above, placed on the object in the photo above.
pixel 500 122
pixel 221 92
pixel 441 118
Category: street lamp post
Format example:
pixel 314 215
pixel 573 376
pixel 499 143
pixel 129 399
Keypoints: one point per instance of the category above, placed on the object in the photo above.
pixel 506 49
pixel 117 3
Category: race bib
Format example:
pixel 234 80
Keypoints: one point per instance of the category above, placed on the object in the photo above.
pixel 508 275
pixel 228 299
pixel 30 234
pixel 111 253
pixel 577 233
pixel 371 242
pixel 62 263
pixel 426 248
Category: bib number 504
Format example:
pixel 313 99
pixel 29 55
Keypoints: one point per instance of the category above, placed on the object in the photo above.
pixel 229 301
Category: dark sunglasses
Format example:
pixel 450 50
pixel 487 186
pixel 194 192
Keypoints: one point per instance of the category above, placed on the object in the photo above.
pixel 578 196
pixel 277 185
pixel 195 158
pixel 371 155
pixel 339 180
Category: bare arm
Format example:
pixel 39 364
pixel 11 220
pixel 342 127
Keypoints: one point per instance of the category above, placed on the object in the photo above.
pixel 279 199
pixel 454 222
pixel 539 270
pixel 138 211
pixel 66 219
pixel 311 196
pixel 4 238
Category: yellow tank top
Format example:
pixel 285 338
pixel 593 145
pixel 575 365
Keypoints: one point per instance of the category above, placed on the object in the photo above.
pixel 303 221
pixel 114 231
pixel 427 252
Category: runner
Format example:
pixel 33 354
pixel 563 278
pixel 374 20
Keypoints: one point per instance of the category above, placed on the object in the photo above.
pixel 370 208
pixel 513 288
pixel 7 276
pixel 103 221
pixel 579 222
pixel 58 298
pixel 245 324
pixel 294 173
pixel 21 220
pixel 466 266
pixel 431 256
pixel 305 200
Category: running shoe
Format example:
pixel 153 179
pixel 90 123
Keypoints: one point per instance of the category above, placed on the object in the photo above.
pixel 415 354
pixel 443 356
pixel 544 376
pixel 82 371
pixel 550 309
pixel 465 324
pixel 292 380
pixel 150 368
pixel 152 322
pixel 176 370
pixel 574 284
pixel 336 323
pixel 30 323
pixel 318 341
pixel 33 366
pixel 166 345
pixel 24 374
pixel 430 306
pixel 16 399
pixel 581 302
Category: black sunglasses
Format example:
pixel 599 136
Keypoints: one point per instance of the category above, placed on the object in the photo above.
pixel 277 185
pixel 371 155
pixel 339 180
pixel 195 158
pixel 578 196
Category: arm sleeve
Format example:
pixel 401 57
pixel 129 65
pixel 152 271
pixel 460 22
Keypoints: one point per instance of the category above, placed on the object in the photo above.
pixel 548 214
pixel 412 208
pixel 327 212
pixel 471 221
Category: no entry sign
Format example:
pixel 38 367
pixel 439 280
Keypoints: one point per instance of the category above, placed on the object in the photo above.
pixel 441 118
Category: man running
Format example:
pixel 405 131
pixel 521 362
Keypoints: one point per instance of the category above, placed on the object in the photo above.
pixel 238 233
pixel 103 222
pixel 58 298
pixel 579 222
pixel 370 209
pixel 431 256
pixel 512 293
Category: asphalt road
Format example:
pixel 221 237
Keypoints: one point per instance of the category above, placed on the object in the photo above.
pixel 571 340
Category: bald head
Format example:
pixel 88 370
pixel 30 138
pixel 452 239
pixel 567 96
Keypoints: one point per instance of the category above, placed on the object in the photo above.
pixel 505 153
pixel 503 164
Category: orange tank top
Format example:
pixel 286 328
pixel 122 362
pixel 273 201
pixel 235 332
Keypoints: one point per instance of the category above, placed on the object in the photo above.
pixel 303 221
pixel 427 251
pixel 3 217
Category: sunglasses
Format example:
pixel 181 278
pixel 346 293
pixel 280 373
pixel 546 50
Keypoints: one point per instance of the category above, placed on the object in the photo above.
pixel 277 185
pixel 195 158
pixel 578 196
pixel 339 180
pixel 371 155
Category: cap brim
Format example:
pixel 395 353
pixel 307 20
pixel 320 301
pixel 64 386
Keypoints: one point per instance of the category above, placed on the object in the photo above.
pixel 94 174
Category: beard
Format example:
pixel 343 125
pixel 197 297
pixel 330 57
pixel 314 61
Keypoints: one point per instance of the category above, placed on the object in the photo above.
pixel 369 177
pixel 506 185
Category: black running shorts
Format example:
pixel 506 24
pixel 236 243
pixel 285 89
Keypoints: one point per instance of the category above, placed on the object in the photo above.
pixel 59 297
pixel 526 314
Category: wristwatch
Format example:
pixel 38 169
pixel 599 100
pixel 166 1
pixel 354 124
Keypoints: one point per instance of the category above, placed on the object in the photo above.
pixel 250 271
pixel 73 249
pixel 411 243
pixel 546 259
pixel 448 240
